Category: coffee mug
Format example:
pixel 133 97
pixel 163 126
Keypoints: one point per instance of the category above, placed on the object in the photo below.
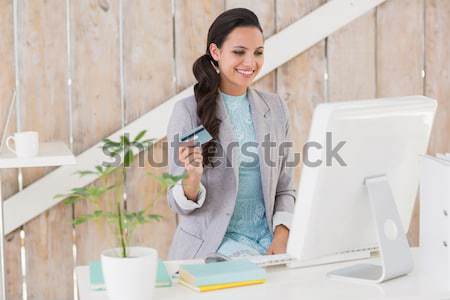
pixel 26 143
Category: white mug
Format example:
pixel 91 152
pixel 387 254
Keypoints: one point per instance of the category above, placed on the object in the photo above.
pixel 26 143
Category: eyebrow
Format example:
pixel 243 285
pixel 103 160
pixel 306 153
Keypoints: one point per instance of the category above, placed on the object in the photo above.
pixel 260 47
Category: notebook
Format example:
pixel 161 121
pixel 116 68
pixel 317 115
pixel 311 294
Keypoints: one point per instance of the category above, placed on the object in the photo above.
pixel 234 271
pixel 97 282
pixel 214 287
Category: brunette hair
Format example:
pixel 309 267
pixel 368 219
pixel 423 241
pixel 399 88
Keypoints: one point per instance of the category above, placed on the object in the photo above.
pixel 206 89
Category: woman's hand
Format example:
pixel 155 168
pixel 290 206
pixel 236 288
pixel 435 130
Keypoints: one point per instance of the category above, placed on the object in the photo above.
pixel 191 157
pixel 279 241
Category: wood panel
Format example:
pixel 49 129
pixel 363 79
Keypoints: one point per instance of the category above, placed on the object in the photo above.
pixel 265 11
pixel 351 60
pixel 192 21
pixel 145 191
pixel 400 37
pixel 301 81
pixel 437 62
pixel 400 48
pixel 148 55
pixel 149 76
pixel 96 100
pixel 48 242
pixel 9 177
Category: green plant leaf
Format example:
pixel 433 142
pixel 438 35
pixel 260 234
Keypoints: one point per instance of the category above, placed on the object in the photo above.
pixel 80 220
pixel 128 159
pixel 153 217
pixel 140 218
pixel 98 214
pixel 81 191
pixel 85 173
pixel 124 140
pixel 149 141
pixel 108 170
pixel 139 136
pixel 72 199
pixel 96 192
pixel 110 142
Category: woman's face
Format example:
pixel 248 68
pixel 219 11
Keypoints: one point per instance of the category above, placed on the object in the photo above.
pixel 240 59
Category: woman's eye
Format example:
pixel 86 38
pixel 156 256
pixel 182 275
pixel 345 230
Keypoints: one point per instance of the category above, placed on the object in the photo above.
pixel 259 53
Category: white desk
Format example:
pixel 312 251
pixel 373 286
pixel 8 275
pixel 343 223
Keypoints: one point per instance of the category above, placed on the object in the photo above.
pixel 304 284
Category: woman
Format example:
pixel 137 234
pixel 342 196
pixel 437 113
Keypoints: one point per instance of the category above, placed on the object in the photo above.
pixel 237 198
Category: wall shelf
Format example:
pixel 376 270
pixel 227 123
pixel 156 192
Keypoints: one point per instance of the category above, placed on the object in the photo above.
pixel 50 154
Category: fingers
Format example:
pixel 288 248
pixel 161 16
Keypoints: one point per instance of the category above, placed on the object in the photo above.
pixel 191 143
pixel 194 160
pixel 190 153
pixel 276 248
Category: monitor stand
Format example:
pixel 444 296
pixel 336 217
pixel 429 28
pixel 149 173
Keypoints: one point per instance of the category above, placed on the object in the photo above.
pixel 396 259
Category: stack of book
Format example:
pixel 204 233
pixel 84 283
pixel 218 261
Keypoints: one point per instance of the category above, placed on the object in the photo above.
pixel 221 275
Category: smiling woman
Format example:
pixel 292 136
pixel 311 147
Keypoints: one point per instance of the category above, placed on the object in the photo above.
pixel 236 202
pixel 234 56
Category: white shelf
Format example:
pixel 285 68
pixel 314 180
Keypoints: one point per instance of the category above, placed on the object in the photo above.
pixel 50 154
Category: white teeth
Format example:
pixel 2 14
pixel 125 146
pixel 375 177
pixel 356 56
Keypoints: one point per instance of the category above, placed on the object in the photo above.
pixel 243 72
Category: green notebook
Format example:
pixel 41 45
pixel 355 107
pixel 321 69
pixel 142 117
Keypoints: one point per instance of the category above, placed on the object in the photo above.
pixel 98 284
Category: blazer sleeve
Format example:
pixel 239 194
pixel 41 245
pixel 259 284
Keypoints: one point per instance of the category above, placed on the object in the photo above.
pixel 180 121
pixel 285 191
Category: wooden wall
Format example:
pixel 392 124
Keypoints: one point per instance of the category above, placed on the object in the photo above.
pixel 9 185
pixel 400 48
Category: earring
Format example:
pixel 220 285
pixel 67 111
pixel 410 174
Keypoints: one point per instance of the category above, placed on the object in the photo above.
pixel 215 68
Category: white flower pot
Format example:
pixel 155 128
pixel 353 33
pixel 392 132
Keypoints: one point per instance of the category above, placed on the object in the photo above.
pixel 130 278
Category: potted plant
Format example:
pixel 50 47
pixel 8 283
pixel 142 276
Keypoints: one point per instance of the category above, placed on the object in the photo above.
pixel 129 272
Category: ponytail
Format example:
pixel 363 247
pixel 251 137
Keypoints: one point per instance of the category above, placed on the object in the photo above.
pixel 206 91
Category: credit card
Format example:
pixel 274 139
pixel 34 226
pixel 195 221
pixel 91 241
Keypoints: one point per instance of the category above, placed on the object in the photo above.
pixel 199 134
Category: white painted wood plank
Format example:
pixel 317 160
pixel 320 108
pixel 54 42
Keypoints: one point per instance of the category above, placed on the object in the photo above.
pixel 50 154
pixel 312 28
pixel 279 49
pixel 22 207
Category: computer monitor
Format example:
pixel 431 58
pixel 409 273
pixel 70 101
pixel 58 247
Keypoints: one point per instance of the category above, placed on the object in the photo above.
pixel 351 205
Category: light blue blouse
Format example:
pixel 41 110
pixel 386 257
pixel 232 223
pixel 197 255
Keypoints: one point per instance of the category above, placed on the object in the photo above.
pixel 248 232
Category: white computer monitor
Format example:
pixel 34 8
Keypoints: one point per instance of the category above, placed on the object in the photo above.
pixel 383 139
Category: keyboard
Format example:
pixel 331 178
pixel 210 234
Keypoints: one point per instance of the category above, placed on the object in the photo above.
pixel 271 260
pixel 286 259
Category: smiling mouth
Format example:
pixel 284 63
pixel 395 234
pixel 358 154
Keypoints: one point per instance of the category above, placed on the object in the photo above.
pixel 246 73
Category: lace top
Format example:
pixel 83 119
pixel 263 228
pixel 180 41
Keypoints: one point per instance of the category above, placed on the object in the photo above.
pixel 248 232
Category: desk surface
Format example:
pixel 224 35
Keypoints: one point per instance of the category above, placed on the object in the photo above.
pixel 305 283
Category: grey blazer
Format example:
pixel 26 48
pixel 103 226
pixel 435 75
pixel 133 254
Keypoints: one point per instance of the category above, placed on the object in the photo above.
pixel 200 231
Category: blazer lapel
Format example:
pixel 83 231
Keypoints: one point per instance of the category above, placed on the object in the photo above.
pixel 261 121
